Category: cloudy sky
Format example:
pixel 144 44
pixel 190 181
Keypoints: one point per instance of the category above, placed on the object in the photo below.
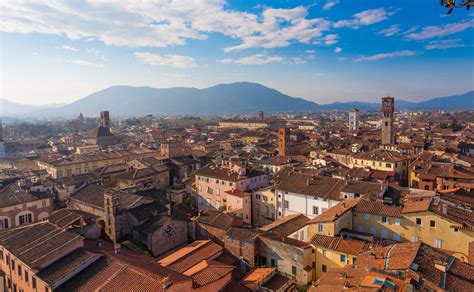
pixel 324 50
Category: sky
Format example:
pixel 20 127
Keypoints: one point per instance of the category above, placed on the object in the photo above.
pixel 323 51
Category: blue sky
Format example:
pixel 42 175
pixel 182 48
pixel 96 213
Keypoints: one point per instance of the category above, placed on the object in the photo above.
pixel 324 51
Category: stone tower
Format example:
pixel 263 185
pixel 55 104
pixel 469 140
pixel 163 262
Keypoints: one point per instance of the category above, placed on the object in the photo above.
pixel 2 143
pixel 112 206
pixel 283 140
pixel 388 107
pixel 104 119
pixel 353 120
pixel 261 116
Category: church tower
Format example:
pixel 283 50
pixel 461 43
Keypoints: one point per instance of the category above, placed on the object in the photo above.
pixel 112 204
pixel 354 120
pixel 2 143
pixel 104 119
pixel 388 108
pixel 283 140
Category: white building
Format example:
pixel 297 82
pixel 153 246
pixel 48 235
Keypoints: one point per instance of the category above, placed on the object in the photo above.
pixel 313 195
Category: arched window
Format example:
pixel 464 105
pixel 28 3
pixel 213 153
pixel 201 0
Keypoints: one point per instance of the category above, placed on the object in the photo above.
pixel 24 217
pixel 4 222
pixel 43 216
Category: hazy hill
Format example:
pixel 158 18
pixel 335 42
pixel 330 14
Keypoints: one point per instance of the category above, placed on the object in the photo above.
pixel 234 98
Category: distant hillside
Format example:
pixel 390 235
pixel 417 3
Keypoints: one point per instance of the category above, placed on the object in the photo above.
pixel 234 98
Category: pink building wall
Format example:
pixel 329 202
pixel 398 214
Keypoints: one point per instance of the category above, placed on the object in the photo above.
pixel 214 190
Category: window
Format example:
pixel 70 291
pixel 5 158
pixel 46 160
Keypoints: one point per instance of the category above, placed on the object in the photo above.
pixel 315 210
pixel 4 223
pixel 265 198
pixel 293 270
pixel 43 203
pixel 218 192
pixel 414 238
pixel 397 221
pixel 19 270
pixel 384 233
pixel 24 219
pixel 13 265
pixel 432 224
pixel 343 258
pixel 26 276
pixel 418 221
pixel 313 265
pixel 366 217
pixel 354 260
pixel 33 280
pixel 384 219
pixel 388 165
pixel 437 243
pixel 257 196
pixel 320 228
pixel 360 229
pixel 372 231
pixel 325 268
pixel 324 253
pixel 273 263
pixel 286 204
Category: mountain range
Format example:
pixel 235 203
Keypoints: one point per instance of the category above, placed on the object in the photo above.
pixel 233 98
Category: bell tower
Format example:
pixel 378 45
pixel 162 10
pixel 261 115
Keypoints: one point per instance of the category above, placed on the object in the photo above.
pixel 112 206
pixel 104 119
pixel 283 140
pixel 388 108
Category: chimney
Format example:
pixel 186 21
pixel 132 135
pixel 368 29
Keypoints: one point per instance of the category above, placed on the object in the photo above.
pixel 444 209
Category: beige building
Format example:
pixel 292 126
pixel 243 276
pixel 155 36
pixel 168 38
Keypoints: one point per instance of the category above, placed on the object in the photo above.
pixel 75 164
pixel 263 206
pixel 385 160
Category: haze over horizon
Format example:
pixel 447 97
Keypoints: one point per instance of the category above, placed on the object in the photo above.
pixel 322 51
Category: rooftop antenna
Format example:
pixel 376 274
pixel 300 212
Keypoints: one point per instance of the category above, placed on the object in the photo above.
pixel 388 92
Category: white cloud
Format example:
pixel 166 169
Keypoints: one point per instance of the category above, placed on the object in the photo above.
pixel 298 60
pixel 330 4
pixel 390 31
pixel 410 30
pixel 327 40
pixel 429 32
pixel 84 63
pixel 69 48
pixel 338 50
pixel 257 59
pixel 161 23
pixel 366 17
pixel 341 58
pixel 175 61
pixel 310 51
pixel 444 44
pixel 376 57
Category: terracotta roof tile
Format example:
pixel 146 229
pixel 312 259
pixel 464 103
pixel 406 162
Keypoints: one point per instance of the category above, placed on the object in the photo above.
pixel 378 208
